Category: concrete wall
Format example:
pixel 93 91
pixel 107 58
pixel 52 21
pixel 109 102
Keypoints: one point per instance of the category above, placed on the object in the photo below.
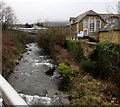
pixel 111 36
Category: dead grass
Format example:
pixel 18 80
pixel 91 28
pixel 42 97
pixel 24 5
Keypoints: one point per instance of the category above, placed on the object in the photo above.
pixel 13 44
pixel 88 91
pixel 8 54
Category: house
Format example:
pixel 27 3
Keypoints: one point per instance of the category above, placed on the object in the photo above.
pixel 110 33
pixel 91 21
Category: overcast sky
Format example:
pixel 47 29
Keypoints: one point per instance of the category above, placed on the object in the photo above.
pixel 31 11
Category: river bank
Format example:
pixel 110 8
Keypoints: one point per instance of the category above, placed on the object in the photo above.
pixel 77 68
pixel 82 88
pixel 13 45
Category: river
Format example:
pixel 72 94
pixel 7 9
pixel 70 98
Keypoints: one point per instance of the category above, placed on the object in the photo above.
pixel 30 80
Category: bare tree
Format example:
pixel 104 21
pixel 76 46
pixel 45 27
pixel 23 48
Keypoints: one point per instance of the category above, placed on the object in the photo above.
pixel 113 7
pixel 7 15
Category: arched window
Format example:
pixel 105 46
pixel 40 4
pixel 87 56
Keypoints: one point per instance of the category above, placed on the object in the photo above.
pixel 92 24
pixel 85 24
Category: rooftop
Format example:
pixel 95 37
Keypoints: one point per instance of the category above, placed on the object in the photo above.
pixel 93 13
pixel 111 27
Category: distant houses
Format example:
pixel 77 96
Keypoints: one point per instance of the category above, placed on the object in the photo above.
pixel 33 30
pixel 92 22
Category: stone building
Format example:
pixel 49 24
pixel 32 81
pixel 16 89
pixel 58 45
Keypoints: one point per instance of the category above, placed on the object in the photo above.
pixel 110 33
pixel 91 21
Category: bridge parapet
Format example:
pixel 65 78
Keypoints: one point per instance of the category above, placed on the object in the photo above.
pixel 9 95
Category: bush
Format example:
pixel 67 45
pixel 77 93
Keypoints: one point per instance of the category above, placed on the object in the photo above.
pixel 20 39
pixel 64 70
pixel 13 45
pixel 88 66
pixel 76 48
pixel 104 62
pixel 50 37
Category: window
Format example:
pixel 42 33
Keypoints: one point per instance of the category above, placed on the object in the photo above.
pixel 91 24
pixel 85 24
pixel 98 25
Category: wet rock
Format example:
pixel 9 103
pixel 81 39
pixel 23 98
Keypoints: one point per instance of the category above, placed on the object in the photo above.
pixel 25 60
pixel 50 71
pixel 64 100
pixel 52 61
pixel 16 62
pixel 16 77
pixel 26 46
pixel 30 49
pixel 56 93
pixel 16 69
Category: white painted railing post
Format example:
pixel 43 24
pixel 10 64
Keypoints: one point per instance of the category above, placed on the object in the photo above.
pixel 9 95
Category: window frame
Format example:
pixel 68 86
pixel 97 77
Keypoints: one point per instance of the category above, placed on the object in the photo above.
pixel 92 24
pixel 85 24
pixel 98 28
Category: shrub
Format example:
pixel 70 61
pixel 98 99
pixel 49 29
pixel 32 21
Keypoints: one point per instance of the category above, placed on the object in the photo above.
pixel 88 66
pixel 20 39
pixel 50 37
pixel 13 45
pixel 76 48
pixel 64 70
pixel 104 62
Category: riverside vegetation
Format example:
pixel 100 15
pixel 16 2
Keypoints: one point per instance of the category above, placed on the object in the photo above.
pixel 88 80
pixel 13 45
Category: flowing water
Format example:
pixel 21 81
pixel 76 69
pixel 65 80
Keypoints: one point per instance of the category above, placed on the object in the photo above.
pixel 32 83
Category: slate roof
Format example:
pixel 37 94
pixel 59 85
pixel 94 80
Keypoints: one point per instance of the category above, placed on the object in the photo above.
pixel 88 13
pixel 107 16
pixel 111 27
pixel 104 17
pixel 72 18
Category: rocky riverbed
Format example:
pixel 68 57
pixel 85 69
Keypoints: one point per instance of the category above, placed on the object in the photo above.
pixel 31 80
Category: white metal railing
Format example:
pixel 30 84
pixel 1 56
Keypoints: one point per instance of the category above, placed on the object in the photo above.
pixel 9 95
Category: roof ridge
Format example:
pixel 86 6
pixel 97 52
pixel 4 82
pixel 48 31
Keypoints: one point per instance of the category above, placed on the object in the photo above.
pixel 87 12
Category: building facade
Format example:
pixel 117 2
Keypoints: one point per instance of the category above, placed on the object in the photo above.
pixel 91 21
